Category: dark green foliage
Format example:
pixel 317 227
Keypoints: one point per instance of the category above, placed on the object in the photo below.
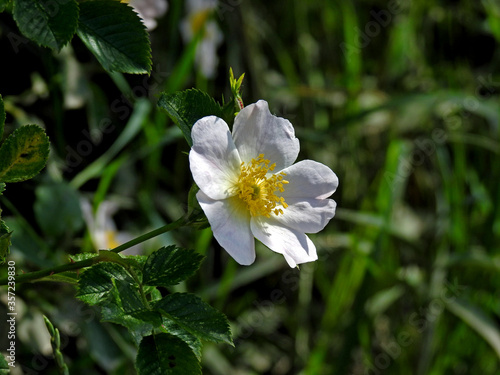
pixel 170 265
pixel 124 298
pixel 195 316
pixel 48 23
pixel 115 35
pixel 23 154
pixel 187 107
pixel 165 354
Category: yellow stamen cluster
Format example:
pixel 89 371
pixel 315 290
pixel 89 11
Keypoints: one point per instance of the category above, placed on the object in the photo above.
pixel 258 191
pixel 111 239
pixel 197 20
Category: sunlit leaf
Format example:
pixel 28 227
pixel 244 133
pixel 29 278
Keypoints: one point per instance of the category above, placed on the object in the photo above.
pixel 115 35
pixel 96 282
pixel 196 317
pixel 48 23
pixel 190 339
pixel 124 306
pixel 170 265
pixel 23 154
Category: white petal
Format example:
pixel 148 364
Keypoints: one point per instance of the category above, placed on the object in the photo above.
pixel 309 179
pixel 88 216
pixel 231 227
pixel 295 246
pixel 307 215
pixel 104 216
pixel 213 159
pixel 256 131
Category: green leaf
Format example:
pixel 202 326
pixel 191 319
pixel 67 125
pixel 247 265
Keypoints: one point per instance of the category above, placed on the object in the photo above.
pixel 190 339
pixel 23 154
pixel 187 107
pixel 57 209
pixel 82 256
pixel 2 117
pixel 96 281
pixel 137 328
pixel 115 35
pixel 48 23
pixel 5 236
pixel 4 366
pixel 124 306
pixel 3 6
pixel 127 298
pixel 196 317
pixel 165 354
pixel 170 265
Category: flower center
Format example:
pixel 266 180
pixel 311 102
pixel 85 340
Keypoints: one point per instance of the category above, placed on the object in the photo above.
pixel 197 20
pixel 258 191
pixel 111 239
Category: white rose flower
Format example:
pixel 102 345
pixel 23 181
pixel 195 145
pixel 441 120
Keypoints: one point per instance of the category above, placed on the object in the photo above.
pixel 249 186
pixel 102 227
pixel 199 18
pixel 149 11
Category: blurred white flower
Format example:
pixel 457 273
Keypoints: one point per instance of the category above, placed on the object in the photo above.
pixel 102 228
pixel 198 20
pixel 149 10
pixel 249 186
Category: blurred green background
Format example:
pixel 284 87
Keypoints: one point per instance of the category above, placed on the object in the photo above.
pixel 399 98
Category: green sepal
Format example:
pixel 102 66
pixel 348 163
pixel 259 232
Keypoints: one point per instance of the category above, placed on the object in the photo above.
pixel 114 33
pixel 23 154
pixel 166 354
pixel 235 85
pixel 170 265
pixel 195 316
pixel 187 107
pixel 48 23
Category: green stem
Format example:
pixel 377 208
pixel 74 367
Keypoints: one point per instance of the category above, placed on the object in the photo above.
pixel 166 228
pixel 28 277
